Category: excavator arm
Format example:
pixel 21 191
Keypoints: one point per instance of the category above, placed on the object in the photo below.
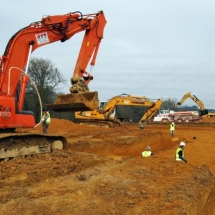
pixel 202 111
pixel 14 62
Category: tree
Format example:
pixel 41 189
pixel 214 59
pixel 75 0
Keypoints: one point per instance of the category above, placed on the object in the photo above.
pixel 46 78
pixel 169 104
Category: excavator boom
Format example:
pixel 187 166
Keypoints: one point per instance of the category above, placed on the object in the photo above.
pixel 152 111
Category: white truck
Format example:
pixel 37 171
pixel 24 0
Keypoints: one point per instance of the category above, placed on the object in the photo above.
pixel 181 116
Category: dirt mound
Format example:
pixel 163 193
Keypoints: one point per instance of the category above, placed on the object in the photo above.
pixel 102 172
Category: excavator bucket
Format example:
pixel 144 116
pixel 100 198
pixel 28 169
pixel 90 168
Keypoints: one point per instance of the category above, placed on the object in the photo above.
pixel 75 102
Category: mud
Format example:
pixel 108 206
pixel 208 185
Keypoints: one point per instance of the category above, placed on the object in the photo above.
pixel 101 172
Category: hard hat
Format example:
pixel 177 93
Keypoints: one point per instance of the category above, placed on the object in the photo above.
pixel 182 143
pixel 148 148
pixel 173 123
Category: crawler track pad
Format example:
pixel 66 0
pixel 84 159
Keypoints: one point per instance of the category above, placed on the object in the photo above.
pixel 75 102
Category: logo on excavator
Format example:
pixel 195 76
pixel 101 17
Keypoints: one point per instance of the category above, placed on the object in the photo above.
pixel 42 38
pixel 5 112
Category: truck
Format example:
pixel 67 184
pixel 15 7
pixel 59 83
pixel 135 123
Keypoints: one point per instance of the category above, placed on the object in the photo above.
pixel 177 116
pixel 106 115
pixel 210 114
pixel 14 79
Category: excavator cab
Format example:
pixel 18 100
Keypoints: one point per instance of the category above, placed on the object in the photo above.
pixel 203 112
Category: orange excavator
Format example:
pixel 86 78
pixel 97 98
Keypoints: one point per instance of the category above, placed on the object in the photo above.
pixel 14 78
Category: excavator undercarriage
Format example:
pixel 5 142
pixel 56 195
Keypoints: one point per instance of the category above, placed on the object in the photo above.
pixel 107 124
pixel 13 145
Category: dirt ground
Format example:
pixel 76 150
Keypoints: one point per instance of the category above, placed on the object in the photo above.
pixel 101 172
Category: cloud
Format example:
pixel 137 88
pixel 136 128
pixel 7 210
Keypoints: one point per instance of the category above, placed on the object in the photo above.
pixel 160 49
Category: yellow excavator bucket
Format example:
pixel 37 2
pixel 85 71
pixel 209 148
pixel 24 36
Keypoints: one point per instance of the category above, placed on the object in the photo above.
pixel 75 102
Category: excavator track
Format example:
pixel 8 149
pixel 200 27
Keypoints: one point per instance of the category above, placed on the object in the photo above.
pixel 14 145
pixel 108 124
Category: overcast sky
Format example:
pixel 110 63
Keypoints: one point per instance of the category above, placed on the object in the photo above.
pixel 154 48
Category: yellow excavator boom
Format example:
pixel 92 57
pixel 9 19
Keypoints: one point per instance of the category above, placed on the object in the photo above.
pixel 152 111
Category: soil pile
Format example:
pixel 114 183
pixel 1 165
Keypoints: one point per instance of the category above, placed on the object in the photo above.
pixel 101 172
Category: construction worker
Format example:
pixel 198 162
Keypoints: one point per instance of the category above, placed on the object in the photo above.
pixel 172 129
pixel 147 152
pixel 46 119
pixel 179 154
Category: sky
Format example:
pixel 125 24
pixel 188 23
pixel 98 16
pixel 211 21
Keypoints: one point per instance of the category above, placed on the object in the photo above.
pixel 154 48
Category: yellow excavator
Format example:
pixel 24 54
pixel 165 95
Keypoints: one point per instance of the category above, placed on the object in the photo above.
pixel 105 115
pixel 202 111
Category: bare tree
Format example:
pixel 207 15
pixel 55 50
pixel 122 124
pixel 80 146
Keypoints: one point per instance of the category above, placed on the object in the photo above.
pixel 47 79
pixel 169 104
